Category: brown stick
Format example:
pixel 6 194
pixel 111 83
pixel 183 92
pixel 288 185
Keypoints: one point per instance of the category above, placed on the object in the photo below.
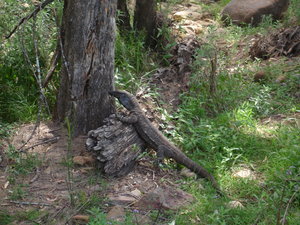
pixel 54 62
pixel 30 203
pixel 287 207
pixel 51 140
pixel 213 74
pixel 33 13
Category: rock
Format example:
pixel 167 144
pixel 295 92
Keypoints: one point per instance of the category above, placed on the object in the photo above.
pixel 178 16
pixel 121 199
pixel 252 11
pixel 235 204
pixel 165 197
pixel 141 219
pixel 152 200
pixel 84 218
pixel 280 79
pixel 136 193
pixel 83 160
pixel 244 173
pixel 187 173
pixel 116 213
pixel 259 76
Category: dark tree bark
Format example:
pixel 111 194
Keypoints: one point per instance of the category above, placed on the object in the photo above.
pixel 88 36
pixel 144 19
pixel 124 17
pixel 116 146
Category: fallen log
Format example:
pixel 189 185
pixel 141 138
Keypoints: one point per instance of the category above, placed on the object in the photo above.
pixel 116 146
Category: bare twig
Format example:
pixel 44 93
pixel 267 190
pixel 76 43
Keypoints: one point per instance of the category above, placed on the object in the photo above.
pixel 51 140
pixel 54 61
pixel 38 68
pixel 58 211
pixel 36 176
pixel 26 18
pixel 213 74
pixel 283 221
pixel 280 206
pixel 30 203
pixel 158 214
pixel 77 210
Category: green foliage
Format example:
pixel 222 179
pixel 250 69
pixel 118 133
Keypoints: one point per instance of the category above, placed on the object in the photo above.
pixel 224 132
pixel 5 217
pixel 9 218
pixel 18 100
pixel 5 130
pixel 99 218
pixel 132 61
pixel 17 193
pixel 292 16
pixel 21 164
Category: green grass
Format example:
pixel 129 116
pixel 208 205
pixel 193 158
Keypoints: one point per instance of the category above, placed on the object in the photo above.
pixel 224 132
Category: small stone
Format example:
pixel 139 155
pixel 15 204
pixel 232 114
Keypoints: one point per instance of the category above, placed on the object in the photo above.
pixel 178 16
pixel 122 199
pixel 83 160
pixel 152 200
pixel 96 187
pixel 259 76
pixel 141 219
pixel 136 193
pixel 187 173
pixel 243 173
pixel 235 204
pixel 116 213
pixel 165 197
pixel 280 79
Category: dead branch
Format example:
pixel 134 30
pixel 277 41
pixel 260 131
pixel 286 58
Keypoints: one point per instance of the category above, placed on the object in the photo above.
pixel 57 54
pixel 213 74
pixel 77 210
pixel 54 62
pixel 283 221
pixel 38 75
pixel 26 18
pixel 36 176
pixel 37 123
pixel 51 140
pixel 30 203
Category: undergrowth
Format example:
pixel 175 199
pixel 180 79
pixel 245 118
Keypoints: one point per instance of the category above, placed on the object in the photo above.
pixel 222 131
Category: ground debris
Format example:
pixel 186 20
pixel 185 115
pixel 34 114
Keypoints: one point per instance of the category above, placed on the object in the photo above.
pixel 284 42
pixel 173 80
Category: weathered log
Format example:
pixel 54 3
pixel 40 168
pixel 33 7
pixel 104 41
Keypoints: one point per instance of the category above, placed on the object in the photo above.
pixel 116 146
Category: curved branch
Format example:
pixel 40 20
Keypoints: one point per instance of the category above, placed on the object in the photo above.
pixel 33 13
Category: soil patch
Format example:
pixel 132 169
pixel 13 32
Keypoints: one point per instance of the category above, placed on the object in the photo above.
pixel 47 188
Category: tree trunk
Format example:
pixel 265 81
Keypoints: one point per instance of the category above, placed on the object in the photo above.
pixel 144 19
pixel 124 17
pixel 88 36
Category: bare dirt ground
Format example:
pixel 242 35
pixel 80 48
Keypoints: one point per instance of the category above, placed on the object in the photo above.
pixel 48 187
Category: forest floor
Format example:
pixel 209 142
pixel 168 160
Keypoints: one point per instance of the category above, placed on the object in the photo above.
pixel 54 178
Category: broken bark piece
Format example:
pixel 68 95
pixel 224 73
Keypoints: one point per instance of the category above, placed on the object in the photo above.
pixel 116 146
